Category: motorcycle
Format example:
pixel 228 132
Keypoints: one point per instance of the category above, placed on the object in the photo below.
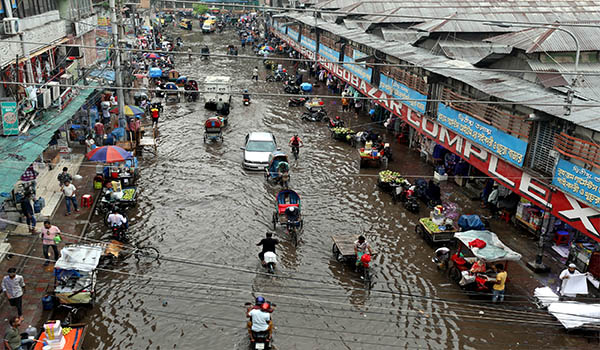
pixel 314 115
pixel 291 89
pixel 246 101
pixel 271 261
pixel 335 123
pixel 295 151
pixel 261 340
pixel 279 76
pixel 297 102
pixel 119 232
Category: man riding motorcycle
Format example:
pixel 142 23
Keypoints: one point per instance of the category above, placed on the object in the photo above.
pixel 246 96
pixel 115 219
pixel 296 143
pixel 260 319
pixel 268 245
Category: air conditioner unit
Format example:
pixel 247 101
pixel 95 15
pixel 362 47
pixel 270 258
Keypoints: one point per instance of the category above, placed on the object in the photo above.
pixel 66 79
pixel 54 87
pixel 77 28
pixel 11 25
pixel 46 98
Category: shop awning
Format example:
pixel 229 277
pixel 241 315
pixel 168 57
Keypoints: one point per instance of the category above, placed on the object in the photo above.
pixel 494 249
pixel 17 153
pixel 107 74
pixel 83 258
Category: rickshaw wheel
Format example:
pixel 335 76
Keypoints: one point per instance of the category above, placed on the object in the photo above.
pixel 454 274
pixel 204 138
pixel 275 219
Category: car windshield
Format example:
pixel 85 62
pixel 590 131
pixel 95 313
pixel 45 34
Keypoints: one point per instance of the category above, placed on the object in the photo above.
pixel 260 146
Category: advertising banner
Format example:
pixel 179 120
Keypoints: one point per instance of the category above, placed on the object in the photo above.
pixel 578 182
pixel 10 120
pixel 360 70
pixel 308 43
pixel 508 147
pixel 408 95
pixel 329 54
pixel 293 34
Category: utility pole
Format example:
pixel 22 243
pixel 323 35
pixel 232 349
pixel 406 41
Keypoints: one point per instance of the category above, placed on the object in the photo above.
pixel 117 58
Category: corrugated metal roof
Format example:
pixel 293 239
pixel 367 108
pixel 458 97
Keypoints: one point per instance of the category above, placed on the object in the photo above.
pixel 500 85
pixel 472 52
pixel 401 35
pixel 551 40
pixel 551 79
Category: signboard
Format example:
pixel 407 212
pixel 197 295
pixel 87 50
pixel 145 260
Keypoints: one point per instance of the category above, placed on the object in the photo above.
pixel 304 51
pixel 506 146
pixel 328 54
pixel 563 206
pixel 308 43
pixel 293 34
pixel 359 69
pixel 10 120
pixel 577 182
pixel 399 90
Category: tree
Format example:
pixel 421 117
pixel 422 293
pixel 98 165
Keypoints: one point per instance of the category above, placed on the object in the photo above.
pixel 200 9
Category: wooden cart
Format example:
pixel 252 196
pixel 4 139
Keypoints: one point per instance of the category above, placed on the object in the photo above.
pixel 343 248
pixel 367 160
pixel 432 232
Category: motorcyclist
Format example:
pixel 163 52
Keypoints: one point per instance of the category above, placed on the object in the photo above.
pixel 361 246
pixel 268 245
pixel 337 122
pixel 116 219
pixel 220 106
pixel 260 320
pixel 246 95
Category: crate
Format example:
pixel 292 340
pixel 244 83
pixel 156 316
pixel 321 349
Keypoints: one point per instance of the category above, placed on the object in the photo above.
pixel 439 177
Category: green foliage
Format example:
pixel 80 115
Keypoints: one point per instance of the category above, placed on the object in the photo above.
pixel 200 9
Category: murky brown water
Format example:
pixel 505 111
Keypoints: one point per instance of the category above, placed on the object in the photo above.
pixel 198 204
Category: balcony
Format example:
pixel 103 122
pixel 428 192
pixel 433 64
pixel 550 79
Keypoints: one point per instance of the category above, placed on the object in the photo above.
pixel 573 147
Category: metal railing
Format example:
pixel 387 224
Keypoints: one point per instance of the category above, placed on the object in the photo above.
pixel 583 150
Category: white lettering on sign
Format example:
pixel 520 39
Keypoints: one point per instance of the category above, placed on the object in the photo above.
pixel 492 168
pixel 474 150
pixel 457 140
pixel 526 186
pixel 579 213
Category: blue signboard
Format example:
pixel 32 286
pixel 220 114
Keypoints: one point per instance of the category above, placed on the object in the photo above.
pixel 360 70
pixel 308 43
pixel 328 53
pixel 10 119
pixel 401 91
pixel 508 147
pixel 577 182
pixel 293 34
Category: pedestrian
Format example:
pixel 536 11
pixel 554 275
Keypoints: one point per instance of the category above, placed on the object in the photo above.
pixel 89 144
pixel 492 199
pixel 12 336
pixel 28 210
pixel 70 197
pixel 500 284
pixel 255 73
pixel 189 53
pixel 64 177
pixel 13 286
pixel 566 276
pixel 357 106
pixel 99 130
pixel 154 114
pixel 50 238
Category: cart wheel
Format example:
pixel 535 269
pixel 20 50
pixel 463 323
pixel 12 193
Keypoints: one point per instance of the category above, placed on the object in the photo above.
pixel 335 250
pixel 419 230
pixel 275 219
pixel 204 138
pixel 361 164
pixel 294 236
pixel 454 274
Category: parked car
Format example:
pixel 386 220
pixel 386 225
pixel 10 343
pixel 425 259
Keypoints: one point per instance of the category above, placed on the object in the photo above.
pixel 257 148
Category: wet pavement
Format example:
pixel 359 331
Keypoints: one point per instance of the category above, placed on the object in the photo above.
pixel 206 214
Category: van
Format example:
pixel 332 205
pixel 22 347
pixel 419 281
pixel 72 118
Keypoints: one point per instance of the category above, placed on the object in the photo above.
pixel 209 26
pixel 217 87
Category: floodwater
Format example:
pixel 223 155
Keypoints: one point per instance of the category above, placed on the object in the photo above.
pixel 206 214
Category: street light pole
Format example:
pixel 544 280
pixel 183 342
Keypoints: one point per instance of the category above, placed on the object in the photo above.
pixel 117 58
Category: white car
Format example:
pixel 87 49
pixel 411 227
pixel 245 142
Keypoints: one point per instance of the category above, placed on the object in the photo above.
pixel 257 149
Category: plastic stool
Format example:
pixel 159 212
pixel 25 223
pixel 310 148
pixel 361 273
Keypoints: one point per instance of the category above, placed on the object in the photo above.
pixel 505 216
pixel 561 237
pixel 86 201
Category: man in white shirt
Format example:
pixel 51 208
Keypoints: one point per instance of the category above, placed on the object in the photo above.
pixel 13 286
pixel 116 219
pixel 565 276
pixel 260 320
pixel 70 196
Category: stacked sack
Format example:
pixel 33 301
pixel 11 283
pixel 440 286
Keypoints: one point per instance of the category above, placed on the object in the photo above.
pixel 54 336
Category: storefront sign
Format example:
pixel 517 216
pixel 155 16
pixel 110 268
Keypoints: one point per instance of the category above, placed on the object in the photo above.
pixel 408 95
pixel 564 207
pixel 506 146
pixel 293 34
pixel 10 120
pixel 578 182
pixel 328 54
pixel 279 28
pixel 359 69
pixel 308 43
pixel 304 51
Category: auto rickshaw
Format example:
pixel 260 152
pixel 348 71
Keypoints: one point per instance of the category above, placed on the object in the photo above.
pixel 186 24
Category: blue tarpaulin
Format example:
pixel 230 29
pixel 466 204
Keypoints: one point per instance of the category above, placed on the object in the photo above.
pixel 17 153
pixel 107 74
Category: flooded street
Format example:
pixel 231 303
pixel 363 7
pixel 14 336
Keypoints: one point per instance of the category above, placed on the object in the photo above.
pixel 205 214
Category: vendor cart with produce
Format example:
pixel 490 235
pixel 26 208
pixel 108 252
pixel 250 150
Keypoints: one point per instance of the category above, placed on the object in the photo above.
pixel 369 158
pixel 393 183
pixel 471 265
pixel 437 228
pixel 343 134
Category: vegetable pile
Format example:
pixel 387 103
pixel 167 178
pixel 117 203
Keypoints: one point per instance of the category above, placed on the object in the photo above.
pixel 429 225
pixel 389 176
pixel 128 194
pixel 343 131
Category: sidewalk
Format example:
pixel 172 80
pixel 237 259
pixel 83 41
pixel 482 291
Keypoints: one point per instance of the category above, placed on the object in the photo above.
pixel 39 278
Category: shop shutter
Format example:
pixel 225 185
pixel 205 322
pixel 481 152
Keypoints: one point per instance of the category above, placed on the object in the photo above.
pixel 543 159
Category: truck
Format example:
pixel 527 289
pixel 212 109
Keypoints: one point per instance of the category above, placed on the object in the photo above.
pixel 217 87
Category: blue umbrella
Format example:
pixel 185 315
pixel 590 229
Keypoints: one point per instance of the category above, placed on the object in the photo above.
pixel 155 72
pixel 306 87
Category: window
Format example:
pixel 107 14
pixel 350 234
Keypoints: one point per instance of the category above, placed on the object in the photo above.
pixel 27 8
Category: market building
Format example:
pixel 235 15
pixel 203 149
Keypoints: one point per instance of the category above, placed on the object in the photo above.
pixel 513 101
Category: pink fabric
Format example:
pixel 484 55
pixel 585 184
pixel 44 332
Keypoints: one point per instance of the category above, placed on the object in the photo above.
pixel 49 234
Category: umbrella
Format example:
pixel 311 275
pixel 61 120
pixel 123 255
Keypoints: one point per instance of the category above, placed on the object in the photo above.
pixel 129 110
pixel 152 56
pixel 155 72
pixel 268 48
pixel 108 154
pixel 307 87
